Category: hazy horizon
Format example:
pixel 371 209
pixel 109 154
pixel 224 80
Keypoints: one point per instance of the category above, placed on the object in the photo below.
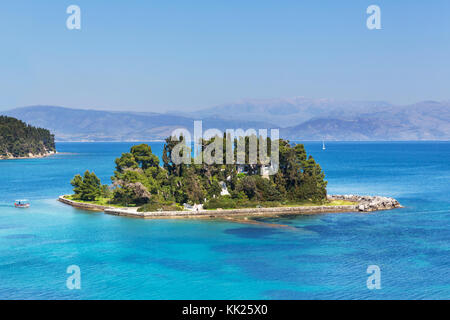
pixel 245 100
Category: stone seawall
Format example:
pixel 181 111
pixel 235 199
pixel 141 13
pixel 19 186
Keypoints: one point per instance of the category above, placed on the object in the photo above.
pixel 82 205
pixel 131 212
pixel 362 204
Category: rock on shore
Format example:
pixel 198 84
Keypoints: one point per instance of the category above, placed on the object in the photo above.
pixel 9 156
pixel 369 203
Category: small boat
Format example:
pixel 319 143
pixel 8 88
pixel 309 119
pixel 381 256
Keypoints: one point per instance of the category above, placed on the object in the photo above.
pixel 323 145
pixel 21 204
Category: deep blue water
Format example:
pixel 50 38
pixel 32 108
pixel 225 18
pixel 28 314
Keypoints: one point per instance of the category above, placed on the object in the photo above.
pixel 323 257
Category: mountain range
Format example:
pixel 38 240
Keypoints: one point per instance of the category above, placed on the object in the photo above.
pixel 298 119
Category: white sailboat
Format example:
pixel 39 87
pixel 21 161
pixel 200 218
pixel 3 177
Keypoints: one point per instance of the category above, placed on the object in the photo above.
pixel 323 145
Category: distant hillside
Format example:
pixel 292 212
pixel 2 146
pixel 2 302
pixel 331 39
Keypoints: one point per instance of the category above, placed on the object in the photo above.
pixel 317 119
pixel 94 125
pixel 298 119
pixel 287 112
pixel 422 121
pixel 17 139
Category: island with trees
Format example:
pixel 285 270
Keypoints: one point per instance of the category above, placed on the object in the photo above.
pixel 19 140
pixel 143 186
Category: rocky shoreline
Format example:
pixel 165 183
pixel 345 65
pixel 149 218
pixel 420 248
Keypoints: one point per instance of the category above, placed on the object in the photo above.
pixel 30 156
pixel 369 203
pixel 362 204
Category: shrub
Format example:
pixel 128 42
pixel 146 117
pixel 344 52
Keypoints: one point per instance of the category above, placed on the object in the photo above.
pixel 225 202
pixel 156 206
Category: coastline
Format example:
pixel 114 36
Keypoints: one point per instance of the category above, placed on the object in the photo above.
pixel 363 204
pixel 31 156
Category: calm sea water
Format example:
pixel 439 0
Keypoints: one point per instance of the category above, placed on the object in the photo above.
pixel 322 257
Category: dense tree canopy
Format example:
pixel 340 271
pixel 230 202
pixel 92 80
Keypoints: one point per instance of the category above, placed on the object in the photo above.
pixel 139 179
pixel 17 139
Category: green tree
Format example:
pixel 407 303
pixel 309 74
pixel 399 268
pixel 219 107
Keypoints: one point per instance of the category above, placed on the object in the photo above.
pixel 214 189
pixel 193 188
pixel 126 161
pixel 144 157
pixel 315 178
pixel 248 186
pixel 88 187
pixel 77 183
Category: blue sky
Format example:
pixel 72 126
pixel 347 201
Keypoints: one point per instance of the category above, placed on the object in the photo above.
pixel 166 55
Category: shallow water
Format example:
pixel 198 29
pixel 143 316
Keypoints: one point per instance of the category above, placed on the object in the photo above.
pixel 325 257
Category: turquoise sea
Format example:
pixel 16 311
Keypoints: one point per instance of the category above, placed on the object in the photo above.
pixel 322 257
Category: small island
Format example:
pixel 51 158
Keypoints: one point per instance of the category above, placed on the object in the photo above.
pixel 21 141
pixel 142 187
